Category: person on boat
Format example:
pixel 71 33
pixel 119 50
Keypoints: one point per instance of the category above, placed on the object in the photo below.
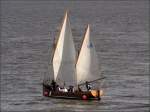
pixel 70 89
pixel 79 89
pixel 88 86
pixel 57 87
pixel 53 85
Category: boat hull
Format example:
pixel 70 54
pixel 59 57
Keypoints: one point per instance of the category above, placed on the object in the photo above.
pixel 78 95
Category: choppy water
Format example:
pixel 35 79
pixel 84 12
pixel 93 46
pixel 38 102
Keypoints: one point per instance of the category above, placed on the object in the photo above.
pixel 119 30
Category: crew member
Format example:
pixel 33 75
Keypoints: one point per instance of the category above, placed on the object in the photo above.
pixel 79 89
pixel 53 85
pixel 88 86
pixel 70 89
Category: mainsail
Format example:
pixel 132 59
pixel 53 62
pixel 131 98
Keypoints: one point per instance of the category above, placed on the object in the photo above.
pixel 65 56
pixel 87 64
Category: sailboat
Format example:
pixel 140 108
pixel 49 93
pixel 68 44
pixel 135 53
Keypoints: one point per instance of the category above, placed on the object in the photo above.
pixel 72 72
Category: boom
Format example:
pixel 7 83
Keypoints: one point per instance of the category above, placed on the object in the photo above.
pixel 92 81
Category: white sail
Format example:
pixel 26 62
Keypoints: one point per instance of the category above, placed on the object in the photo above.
pixel 87 64
pixel 64 56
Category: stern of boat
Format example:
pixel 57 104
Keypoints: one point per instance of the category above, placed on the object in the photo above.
pixel 46 90
pixel 97 93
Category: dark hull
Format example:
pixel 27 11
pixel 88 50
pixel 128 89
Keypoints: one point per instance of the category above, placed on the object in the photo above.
pixel 83 95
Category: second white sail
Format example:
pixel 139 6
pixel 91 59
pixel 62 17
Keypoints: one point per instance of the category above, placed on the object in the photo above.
pixel 87 65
